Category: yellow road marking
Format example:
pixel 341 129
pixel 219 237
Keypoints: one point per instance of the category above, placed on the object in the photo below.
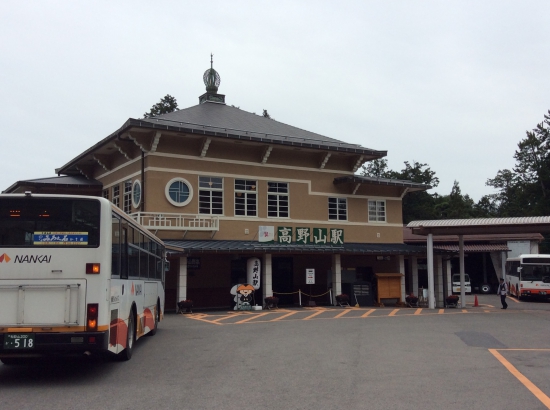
pixel 524 380
pixel 212 322
pixel 417 312
pixel 222 318
pixel 285 316
pixel 368 312
pixel 251 318
pixel 313 315
pixel 513 299
pixel 345 312
pixel 393 312
pixel 464 311
pixel 441 311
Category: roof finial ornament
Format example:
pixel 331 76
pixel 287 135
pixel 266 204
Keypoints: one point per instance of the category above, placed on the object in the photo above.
pixel 211 77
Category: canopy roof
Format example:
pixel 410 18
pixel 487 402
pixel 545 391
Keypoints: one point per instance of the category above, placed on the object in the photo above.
pixel 540 224
pixel 228 246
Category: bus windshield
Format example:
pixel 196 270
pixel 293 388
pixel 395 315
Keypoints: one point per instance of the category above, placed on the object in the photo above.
pixel 535 272
pixel 46 222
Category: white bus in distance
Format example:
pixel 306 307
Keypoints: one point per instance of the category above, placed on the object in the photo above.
pixel 77 276
pixel 528 276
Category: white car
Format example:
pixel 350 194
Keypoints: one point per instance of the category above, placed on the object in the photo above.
pixel 456 283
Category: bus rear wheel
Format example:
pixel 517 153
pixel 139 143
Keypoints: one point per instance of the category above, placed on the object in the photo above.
pixel 126 354
pixel 156 317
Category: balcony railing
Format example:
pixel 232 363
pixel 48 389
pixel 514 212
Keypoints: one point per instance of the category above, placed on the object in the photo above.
pixel 177 222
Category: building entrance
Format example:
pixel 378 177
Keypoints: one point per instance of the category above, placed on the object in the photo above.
pixel 283 280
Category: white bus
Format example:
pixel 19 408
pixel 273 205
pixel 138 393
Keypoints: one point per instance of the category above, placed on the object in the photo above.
pixel 77 276
pixel 528 276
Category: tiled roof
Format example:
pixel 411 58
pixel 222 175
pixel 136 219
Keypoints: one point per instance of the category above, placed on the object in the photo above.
pixel 226 121
pixel 480 222
pixel 409 237
pixel 214 246
pixel 490 247
pixel 413 186
pixel 61 181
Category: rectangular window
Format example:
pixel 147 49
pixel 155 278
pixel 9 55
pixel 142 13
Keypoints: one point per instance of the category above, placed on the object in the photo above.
pixel 211 195
pixel 106 193
pixel 115 256
pixel 49 222
pixel 277 199
pixel 127 197
pixel 245 197
pixel 116 196
pixel 338 209
pixel 377 211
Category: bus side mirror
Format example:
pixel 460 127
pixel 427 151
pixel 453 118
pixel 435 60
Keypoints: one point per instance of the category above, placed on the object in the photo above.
pixel 166 266
pixel 519 269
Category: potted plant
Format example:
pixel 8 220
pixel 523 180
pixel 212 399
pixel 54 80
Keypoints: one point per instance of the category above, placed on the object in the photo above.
pixel 342 299
pixel 186 304
pixel 451 300
pixel 411 300
pixel 271 302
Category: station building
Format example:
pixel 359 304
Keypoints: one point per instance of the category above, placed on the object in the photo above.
pixel 221 186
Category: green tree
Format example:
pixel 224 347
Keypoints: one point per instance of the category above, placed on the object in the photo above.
pixel 525 190
pixel 377 168
pixel 166 105
pixel 455 205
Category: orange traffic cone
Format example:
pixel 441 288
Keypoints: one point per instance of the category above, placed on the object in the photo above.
pixel 475 301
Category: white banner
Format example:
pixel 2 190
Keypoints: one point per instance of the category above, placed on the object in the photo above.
pixel 253 271
pixel 266 234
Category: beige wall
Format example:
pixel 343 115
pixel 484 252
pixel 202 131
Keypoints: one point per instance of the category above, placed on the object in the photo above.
pixel 309 188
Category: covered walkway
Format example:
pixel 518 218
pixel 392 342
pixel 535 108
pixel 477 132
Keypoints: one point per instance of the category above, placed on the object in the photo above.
pixel 461 227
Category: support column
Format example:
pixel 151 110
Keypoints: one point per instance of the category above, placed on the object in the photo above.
pixel 336 277
pixel 462 274
pixel 503 265
pixel 414 270
pixel 448 278
pixel 402 270
pixel 439 294
pixel 267 277
pixel 182 280
pixel 430 261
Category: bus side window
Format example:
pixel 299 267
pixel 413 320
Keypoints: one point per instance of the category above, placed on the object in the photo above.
pixel 124 253
pixel 115 254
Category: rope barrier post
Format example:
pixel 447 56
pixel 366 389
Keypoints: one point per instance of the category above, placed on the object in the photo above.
pixel 300 297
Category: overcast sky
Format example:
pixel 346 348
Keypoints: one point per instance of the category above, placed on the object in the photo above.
pixel 454 84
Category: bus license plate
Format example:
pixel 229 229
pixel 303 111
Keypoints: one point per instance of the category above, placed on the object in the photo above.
pixel 18 341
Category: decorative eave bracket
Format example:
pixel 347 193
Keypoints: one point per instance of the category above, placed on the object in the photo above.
pixel 146 143
pixel 358 163
pixel 103 161
pixel 205 146
pixel 86 171
pixel 267 153
pixel 325 160
pixel 356 188
pixel 125 148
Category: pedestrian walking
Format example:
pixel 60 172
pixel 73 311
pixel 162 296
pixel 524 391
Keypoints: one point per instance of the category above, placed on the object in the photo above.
pixel 502 291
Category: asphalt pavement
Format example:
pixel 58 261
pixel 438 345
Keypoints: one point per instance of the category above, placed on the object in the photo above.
pixel 474 358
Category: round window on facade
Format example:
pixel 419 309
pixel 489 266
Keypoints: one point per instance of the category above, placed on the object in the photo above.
pixel 136 193
pixel 179 192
